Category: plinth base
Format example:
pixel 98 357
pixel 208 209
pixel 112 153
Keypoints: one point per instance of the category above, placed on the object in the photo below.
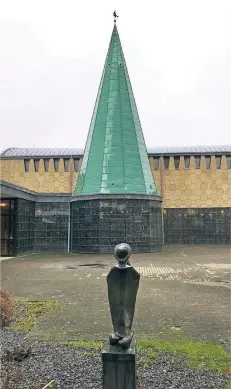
pixel 119 367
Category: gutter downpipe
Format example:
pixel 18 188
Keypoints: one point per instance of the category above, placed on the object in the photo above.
pixel 69 210
pixel 162 195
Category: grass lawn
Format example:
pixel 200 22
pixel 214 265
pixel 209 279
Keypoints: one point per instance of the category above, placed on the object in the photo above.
pixel 205 356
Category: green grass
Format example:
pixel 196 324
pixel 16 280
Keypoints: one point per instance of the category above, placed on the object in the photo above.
pixel 203 356
pixel 29 312
pixel 206 356
pixel 86 344
pixel 148 357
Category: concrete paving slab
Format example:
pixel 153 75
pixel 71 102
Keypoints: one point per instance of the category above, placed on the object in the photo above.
pixel 176 291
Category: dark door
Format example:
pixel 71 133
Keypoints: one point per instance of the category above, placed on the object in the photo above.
pixel 7 207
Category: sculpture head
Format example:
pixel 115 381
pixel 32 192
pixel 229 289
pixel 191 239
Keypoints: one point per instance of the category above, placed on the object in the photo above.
pixel 122 253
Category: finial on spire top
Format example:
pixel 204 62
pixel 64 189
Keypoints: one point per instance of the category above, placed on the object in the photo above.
pixel 115 16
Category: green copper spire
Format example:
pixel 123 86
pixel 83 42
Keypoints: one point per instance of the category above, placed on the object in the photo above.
pixel 115 157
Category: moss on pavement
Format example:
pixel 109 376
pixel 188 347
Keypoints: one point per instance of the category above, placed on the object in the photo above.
pixel 29 312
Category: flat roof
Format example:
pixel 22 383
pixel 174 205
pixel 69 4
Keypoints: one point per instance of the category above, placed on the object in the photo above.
pixel 15 152
pixel 9 190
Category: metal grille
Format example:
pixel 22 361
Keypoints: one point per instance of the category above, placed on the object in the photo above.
pixel 51 227
pixel 197 225
pixel 25 222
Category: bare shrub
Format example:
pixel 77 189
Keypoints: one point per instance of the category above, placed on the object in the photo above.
pixel 6 309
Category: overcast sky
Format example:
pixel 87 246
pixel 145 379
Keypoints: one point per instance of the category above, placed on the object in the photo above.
pixel 52 54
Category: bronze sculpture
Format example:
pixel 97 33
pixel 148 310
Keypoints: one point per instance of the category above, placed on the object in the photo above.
pixel 123 284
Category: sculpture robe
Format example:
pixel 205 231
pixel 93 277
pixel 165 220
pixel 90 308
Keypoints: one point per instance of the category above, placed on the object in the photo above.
pixel 122 290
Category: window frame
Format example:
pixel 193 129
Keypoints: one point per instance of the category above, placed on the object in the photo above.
pixel 76 161
pixel 218 158
pixel 176 161
pixel 207 158
pixel 188 159
pixel 26 167
pixel 36 167
pixel 156 160
pixel 197 158
pixel 46 168
pixel 166 158
pixel 228 161
pixel 56 164
pixel 66 160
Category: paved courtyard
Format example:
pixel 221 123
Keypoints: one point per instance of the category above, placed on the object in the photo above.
pixel 184 291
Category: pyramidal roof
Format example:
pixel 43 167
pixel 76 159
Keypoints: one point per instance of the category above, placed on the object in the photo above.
pixel 115 157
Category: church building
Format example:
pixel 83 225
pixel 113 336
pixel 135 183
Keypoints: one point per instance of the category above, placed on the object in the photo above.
pixel 115 190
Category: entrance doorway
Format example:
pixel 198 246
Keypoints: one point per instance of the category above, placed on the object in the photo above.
pixel 7 214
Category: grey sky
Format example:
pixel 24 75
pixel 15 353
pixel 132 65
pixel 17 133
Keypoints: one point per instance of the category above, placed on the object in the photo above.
pixel 52 54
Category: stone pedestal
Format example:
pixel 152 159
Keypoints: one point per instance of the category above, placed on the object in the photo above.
pixel 119 367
